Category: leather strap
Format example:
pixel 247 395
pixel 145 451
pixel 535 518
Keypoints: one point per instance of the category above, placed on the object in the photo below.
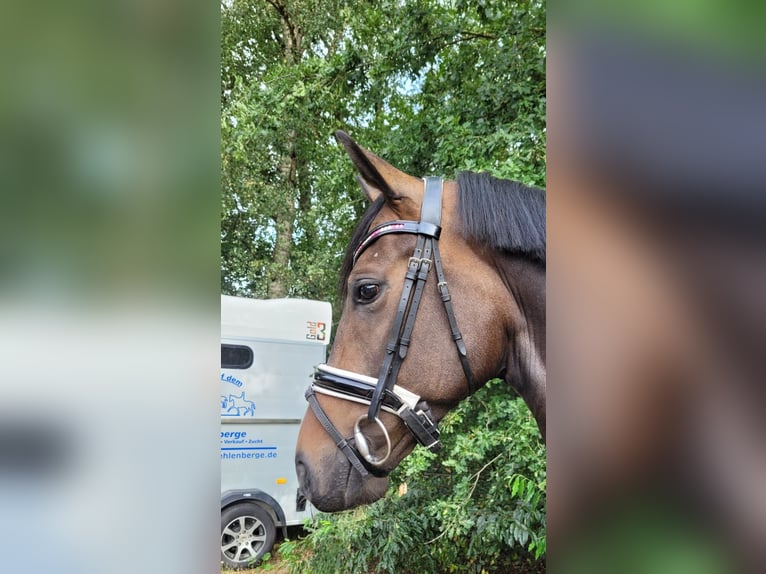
pixel 398 226
pixel 389 370
pixel 457 336
pixel 431 209
pixel 412 291
pixel 341 442
pixel 422 425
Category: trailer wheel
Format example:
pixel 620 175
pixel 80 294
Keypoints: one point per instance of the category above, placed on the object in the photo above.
pixel 247 533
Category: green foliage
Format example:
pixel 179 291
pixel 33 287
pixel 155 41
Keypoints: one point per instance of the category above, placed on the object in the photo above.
pixel 433 87
pixel 478 506
pixel 477 102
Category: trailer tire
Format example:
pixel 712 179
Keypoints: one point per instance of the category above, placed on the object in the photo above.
pixel 247 533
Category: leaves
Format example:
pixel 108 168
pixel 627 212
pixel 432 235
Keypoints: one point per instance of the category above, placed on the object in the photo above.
pixel 433 87
pixel 479 506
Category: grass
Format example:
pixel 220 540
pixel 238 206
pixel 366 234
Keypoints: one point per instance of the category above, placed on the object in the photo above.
pixel 274 564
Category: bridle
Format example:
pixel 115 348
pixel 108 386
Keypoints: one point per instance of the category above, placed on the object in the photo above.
pixel 383 393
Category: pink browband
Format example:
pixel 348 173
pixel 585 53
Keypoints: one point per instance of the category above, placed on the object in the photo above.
pixel 398 226
pixel 375 233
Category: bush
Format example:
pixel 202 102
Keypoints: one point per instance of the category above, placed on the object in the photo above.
pixel 478 506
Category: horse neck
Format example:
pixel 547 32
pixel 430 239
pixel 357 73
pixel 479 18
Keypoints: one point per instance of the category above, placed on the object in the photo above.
pixel 525 368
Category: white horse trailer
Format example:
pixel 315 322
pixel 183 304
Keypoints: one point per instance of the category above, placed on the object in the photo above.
pixel 268 351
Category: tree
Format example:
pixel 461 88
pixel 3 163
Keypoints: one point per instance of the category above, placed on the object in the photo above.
pixel 280 103
pixel 432 86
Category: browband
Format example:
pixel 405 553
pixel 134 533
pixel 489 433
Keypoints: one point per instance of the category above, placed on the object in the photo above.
pixel 398 226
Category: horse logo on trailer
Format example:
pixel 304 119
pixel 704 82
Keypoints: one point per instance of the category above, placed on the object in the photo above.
pixel 237 406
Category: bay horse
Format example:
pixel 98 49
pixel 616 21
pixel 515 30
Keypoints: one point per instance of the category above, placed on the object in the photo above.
pixel 409 349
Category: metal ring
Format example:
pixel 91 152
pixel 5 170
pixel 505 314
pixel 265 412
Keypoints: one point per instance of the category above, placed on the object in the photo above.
pixel 364 448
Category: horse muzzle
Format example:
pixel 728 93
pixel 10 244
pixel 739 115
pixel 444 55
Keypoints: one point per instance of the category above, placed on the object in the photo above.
pixel 329 487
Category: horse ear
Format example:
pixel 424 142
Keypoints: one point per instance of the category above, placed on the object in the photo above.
pixel 403 192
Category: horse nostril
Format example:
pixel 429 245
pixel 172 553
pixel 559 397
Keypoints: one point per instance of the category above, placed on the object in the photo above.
pixel 300 470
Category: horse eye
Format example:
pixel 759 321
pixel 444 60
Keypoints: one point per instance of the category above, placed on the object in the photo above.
pixel 367 292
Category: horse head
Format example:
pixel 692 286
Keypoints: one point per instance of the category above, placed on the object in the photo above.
pixel 428 316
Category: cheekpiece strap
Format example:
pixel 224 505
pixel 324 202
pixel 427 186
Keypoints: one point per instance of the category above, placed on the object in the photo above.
pixel 412 290
pixel 431 210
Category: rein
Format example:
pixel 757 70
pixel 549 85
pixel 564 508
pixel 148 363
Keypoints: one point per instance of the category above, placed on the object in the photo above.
pixel 383 393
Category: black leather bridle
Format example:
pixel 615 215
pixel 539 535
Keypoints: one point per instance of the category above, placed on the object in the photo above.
pixel 383 392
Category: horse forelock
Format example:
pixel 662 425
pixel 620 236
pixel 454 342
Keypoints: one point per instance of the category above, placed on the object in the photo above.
pixel 503 215
pixel 360 232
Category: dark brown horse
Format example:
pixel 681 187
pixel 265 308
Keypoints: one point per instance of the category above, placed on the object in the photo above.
pixel 408 347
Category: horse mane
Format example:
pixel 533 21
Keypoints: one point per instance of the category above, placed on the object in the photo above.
pixel 500 214
pixel 503 215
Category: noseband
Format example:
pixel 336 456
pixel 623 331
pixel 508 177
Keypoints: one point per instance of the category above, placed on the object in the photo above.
pixel 383 393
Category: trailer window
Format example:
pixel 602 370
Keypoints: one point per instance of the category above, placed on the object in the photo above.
pixel 236 357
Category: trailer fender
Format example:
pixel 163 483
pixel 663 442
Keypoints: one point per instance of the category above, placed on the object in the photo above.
pixel 233 496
